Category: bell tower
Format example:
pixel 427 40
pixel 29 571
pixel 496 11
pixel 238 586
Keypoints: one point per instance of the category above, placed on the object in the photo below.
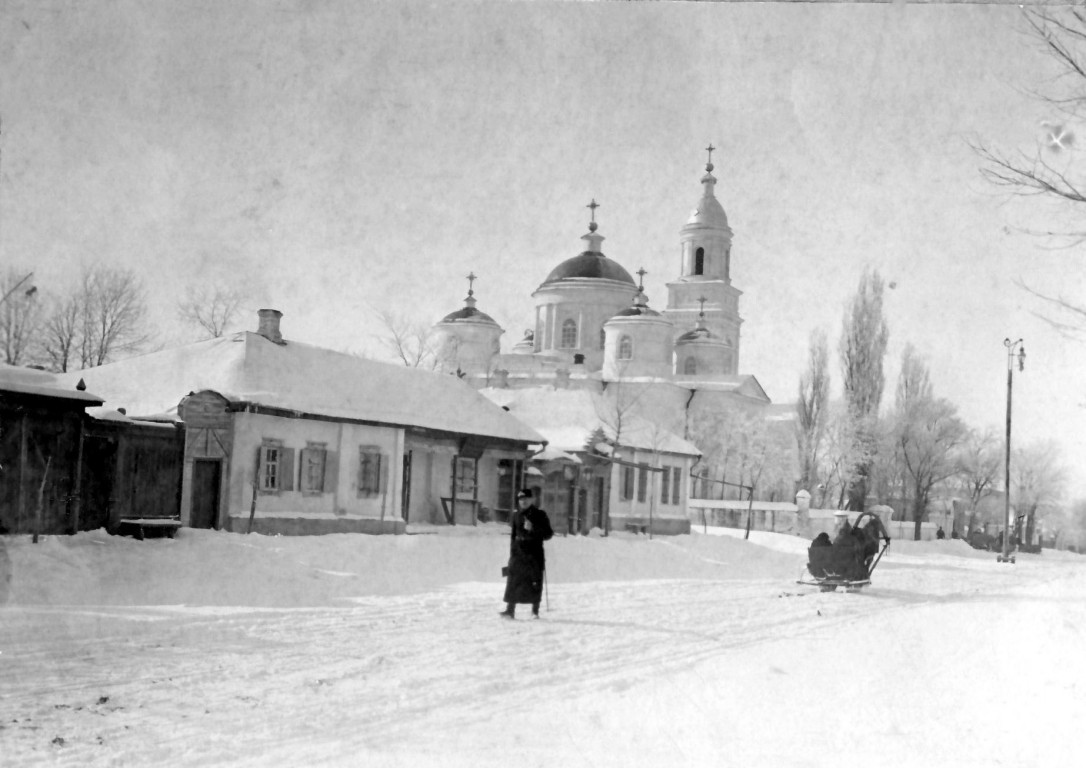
pixel 705 272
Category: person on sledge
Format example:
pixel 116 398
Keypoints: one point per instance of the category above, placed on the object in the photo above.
pixel 530 527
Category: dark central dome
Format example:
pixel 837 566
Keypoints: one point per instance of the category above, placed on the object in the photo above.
pixel 589 264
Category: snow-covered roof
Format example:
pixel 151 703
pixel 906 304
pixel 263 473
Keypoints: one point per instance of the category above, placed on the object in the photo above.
pixel 741 384
pixel 567 417
pixel 30 381
pixel 246 367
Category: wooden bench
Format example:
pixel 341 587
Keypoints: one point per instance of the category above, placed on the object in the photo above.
pixel 636 528
pixel 142 525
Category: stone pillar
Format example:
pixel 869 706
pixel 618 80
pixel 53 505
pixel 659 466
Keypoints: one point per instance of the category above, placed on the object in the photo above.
pixel 803 513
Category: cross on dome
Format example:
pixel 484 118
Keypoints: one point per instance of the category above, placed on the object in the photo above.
pixel 641 278
pixel 471 283
pixel 592 226
pixel 709 165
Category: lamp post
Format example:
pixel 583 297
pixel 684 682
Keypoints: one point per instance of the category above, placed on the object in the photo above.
pixel 1006 556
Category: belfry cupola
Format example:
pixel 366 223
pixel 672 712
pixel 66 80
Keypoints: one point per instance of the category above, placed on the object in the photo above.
pixel 706 237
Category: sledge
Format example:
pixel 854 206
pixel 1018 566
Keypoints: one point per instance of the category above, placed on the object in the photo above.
pixel 847 563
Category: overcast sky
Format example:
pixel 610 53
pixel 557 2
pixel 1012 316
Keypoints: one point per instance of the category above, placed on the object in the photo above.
pixel 336 159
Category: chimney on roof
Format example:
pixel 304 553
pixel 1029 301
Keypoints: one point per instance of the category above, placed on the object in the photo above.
pixel 269 325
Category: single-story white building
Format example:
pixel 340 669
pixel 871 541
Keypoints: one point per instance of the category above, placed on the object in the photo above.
pixel 291 438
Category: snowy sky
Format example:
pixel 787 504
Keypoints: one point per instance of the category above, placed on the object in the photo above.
pixel 336 159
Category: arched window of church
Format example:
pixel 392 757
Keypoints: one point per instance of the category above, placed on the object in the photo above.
pixel 690 367
pixel 625 348
pixel 699 261
pixel 569 334
pixel 603 338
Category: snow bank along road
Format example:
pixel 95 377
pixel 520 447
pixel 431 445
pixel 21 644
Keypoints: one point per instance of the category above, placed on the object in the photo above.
pixel 948 659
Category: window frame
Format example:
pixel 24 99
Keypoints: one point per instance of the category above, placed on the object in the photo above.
pixel 665 485
pixel 567 338
pixel 465 476
pixel 271 482
pixel 676 489
pixel 625 347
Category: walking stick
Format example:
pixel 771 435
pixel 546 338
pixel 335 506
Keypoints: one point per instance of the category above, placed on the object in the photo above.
pixel 546 591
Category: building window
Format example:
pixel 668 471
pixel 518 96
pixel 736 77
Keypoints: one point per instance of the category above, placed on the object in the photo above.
pixel 625 348
pixel 699 261
pixel 690 367
pixel 642 482
pixel 665 486
pixel 465 475
pixel 275 467
pixel 313 460
pixel 676 485
pixel 370 470
pixel 569 334
pixel 603 338
pixel 627 483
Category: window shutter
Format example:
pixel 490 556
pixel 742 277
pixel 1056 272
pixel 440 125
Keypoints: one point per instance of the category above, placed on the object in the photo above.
pixel 331 471
pixel 286 469
pixel 382 473
pixel 303 463
pixel 259 466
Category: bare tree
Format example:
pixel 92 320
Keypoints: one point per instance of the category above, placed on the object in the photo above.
pixel 811 409
pixel 103 317
pixel 1052 168
pixel 409 341
pixel 980 463
pixel 20 315
pixel 864 337
pixel 210 309
pixel 61 332
pixel 927 431
pixel 1038 480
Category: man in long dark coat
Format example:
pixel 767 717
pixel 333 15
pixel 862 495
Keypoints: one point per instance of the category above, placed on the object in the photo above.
pixel 524 580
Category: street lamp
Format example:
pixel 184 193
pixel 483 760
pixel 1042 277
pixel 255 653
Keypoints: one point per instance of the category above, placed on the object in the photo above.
pixel 1006 556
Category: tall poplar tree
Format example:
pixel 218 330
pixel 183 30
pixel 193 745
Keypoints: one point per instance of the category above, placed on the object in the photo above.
pixel 864 336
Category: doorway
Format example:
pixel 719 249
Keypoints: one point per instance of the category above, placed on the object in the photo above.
pixel 206 487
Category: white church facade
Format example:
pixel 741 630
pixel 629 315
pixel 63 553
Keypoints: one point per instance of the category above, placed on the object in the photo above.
pixel 677 367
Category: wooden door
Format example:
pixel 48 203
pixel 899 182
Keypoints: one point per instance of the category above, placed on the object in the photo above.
pixel 206 485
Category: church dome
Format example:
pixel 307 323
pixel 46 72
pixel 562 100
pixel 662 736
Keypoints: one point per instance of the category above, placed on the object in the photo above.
pixel 468 313
pixel 640 307
pixel 709 213
pixel 589 264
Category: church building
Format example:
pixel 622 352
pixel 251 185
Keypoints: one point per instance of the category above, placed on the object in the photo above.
pixel 594 329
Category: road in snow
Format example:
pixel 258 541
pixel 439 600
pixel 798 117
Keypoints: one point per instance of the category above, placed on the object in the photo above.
pixel 382 651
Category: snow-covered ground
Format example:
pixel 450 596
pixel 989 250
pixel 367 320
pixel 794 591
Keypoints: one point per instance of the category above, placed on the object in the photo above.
pixel 700 650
